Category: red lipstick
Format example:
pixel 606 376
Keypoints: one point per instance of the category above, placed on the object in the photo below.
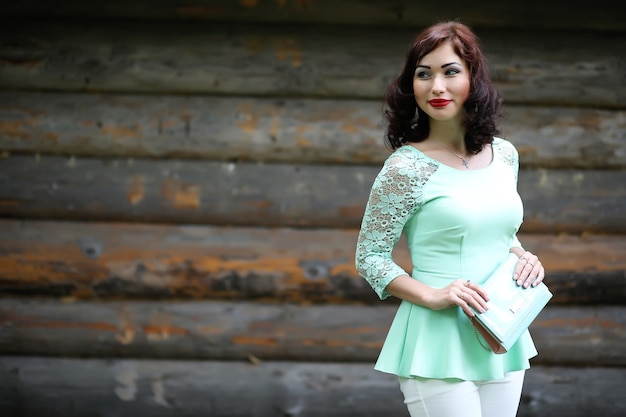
pixel 439 102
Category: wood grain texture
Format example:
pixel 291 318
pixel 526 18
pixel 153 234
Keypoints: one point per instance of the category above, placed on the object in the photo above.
pixel 39 387
pixel 270 195
pixel 576 336
pixel 210 114
pixel 531 14
pixel 146 261
pixel 278 130
pixel 573 69
pixel 51 387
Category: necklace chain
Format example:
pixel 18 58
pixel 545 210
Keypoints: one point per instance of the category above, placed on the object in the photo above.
pixel 465 161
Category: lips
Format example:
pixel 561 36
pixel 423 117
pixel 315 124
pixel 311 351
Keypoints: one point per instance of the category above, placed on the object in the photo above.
pixel 439 102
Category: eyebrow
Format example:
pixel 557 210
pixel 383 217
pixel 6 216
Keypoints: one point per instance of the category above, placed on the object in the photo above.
pixel 443 66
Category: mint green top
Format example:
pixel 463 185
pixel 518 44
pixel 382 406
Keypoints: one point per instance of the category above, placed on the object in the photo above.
pixel 459 224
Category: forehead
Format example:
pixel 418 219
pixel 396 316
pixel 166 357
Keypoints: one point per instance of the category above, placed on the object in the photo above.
pixel 441 55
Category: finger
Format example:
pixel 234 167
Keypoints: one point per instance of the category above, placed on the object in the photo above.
pixel 471 298
pixel 484 297
pixel 480 299
pixel 466 307
pixel 539 278
pixel 533 273
pixel 526 268
pixel 525 273
pixel 519 268
pixel 468 311
pixel 521 264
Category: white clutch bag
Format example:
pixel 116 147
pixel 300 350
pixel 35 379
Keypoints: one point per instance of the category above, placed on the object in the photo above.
pixel 511 308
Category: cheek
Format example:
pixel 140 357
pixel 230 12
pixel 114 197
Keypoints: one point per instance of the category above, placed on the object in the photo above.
pixel 418 90
pixel 464 90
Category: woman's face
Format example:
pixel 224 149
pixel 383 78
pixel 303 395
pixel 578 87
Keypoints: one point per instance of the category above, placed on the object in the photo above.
pixel 441 84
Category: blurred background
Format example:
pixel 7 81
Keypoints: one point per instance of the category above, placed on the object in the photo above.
pixel 182 182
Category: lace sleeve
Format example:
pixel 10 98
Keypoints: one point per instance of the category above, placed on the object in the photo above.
pixel 395 195
pixel 507 152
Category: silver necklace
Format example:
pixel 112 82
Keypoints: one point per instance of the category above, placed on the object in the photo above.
pixel 465 161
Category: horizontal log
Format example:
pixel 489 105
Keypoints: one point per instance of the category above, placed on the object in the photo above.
pixel 270 331
pixel 573 201
pixel 532 14
pixel 50 387
pixel 165 388
pixel 107 260
pixel 271 130
pixel 296 61
pixel 249 194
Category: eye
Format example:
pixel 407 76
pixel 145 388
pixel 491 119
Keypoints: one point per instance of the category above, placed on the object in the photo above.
pixel 452 71
pixel 421 74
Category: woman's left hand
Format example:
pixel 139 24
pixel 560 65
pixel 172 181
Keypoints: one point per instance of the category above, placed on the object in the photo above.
pixel 529 270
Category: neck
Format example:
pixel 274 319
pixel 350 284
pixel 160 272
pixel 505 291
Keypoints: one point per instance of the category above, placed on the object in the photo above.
pixel 450 136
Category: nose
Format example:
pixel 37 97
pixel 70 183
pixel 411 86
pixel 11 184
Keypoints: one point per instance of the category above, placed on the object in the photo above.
pixel 439 84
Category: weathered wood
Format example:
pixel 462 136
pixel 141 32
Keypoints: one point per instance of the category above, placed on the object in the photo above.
pixel 297 61
pixel 50 387
pixel 228 330
pixel 128 388
pixel 248 194
pixel 107 260
pixel 573 201
pixel 532 14
pixel 278 130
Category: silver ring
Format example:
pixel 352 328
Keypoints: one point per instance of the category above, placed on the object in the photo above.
pixel 532 265
pixel 468 282
pixel 462 296
pixel 523 259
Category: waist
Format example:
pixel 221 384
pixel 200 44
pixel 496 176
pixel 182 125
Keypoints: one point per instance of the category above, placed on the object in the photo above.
pixel 443 273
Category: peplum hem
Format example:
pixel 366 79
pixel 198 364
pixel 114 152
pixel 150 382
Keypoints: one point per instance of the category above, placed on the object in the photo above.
pixel 442 344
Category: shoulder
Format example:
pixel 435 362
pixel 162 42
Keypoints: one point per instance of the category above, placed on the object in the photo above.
pixel 407 164
pixel 503 145
pixel 504 150
pixel 408 156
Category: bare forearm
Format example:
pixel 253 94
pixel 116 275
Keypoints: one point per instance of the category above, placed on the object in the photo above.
pixel 459 292
pixel 411 290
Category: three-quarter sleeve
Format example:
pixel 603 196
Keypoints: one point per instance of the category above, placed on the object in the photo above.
pixel 395 196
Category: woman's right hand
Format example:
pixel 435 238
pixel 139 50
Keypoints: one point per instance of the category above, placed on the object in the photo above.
pixel 464 294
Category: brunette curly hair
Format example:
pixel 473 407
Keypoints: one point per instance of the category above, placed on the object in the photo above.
pixel 406 122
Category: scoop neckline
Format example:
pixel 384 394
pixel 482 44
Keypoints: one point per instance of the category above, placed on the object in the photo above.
pixel 493 159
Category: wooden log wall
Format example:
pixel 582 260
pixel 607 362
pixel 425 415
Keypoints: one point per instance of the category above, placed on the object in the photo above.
pixel 181 185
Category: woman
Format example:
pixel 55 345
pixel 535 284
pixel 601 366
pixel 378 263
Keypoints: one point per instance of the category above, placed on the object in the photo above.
pixel 451 186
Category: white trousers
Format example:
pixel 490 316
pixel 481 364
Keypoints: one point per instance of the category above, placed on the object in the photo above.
pixel 454 398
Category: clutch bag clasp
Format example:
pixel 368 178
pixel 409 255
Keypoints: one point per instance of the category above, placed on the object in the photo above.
pixel 517 303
